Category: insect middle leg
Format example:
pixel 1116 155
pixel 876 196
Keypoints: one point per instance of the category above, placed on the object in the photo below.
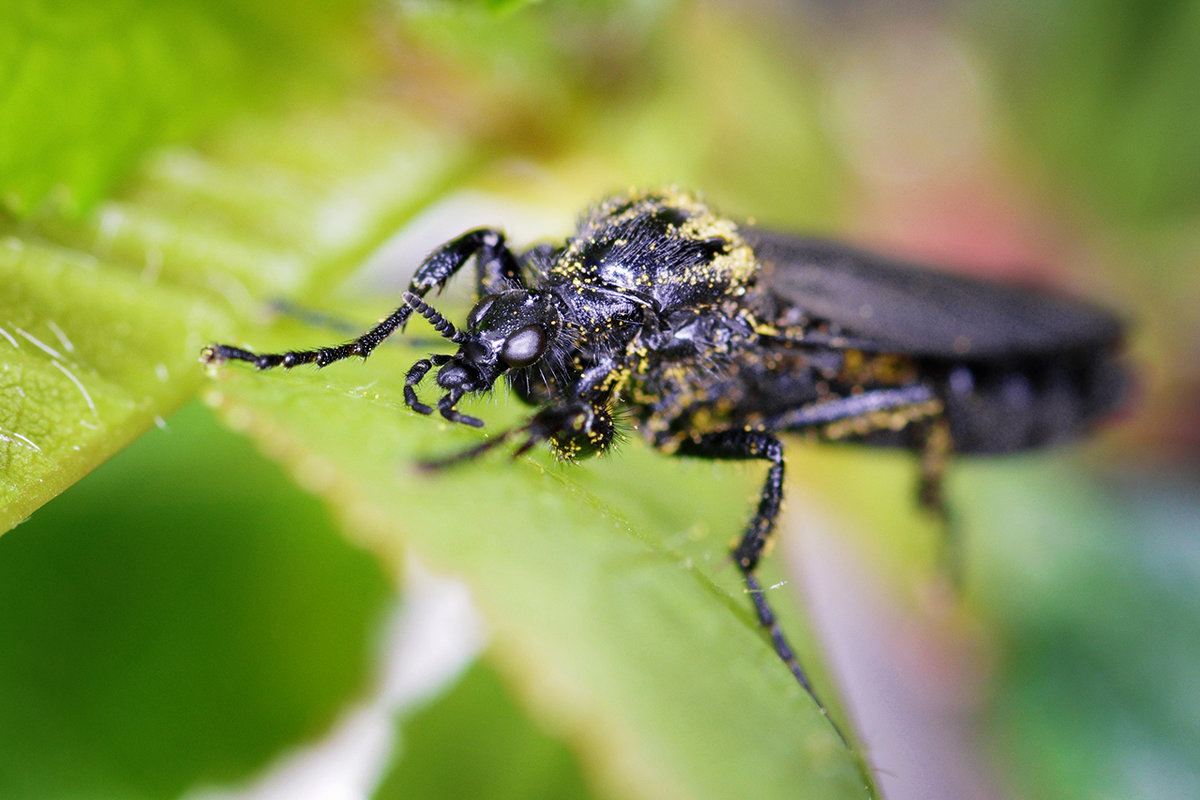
pixel 743 445
pixel 496 261
pixel 574 430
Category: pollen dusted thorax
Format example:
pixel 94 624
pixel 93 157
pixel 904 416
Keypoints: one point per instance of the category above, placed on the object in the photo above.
pixel 661 318
pixel 653 289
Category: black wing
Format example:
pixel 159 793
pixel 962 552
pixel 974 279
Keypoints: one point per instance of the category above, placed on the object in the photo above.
pixel 888 305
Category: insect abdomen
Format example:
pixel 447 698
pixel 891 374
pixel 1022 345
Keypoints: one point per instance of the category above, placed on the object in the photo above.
pixel 1005 407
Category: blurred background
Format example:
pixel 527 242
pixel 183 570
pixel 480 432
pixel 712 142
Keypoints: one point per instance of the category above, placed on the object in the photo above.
pixel 189 620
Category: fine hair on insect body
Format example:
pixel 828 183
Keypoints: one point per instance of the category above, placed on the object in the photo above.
pixel 713 338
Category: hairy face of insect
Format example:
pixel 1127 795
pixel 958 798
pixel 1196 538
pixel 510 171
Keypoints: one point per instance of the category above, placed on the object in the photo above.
pixel 510 330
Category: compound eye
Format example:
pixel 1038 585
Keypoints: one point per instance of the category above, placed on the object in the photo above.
pixel 524 347
pixel 479 312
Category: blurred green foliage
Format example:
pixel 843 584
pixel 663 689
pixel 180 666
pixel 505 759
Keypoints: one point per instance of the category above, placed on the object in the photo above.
pixel 1104 93
pixel 183 615
pixel 509 757
pixel 177 619
pixel 86 89
pixel 1098 693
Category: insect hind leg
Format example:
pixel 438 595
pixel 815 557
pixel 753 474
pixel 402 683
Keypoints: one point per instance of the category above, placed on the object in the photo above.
pixel 744 445
pixel 936 446
pixel 887 410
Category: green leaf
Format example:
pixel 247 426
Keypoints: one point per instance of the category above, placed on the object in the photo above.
pixel 90 357
pixel 629 636
pixel 88 88
pixel 101 320
pixel 509 757
pixel 179 617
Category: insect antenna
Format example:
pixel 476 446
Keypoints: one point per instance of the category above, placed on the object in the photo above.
pixel 439 323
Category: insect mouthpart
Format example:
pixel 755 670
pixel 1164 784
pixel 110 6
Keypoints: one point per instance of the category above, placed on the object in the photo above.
pixel 454 374
pixel 455 377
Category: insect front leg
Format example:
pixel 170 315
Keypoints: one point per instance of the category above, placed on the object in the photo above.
pixel 438 268
pixel 741 445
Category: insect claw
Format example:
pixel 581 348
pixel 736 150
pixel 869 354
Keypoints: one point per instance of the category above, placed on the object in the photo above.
pixel 212 355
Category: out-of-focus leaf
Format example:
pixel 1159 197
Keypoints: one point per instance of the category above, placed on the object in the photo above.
pixel 179 617
pixel 1088 591
pixel 88 88
pixel 1098 694
pixel 761 152
pixel 613 95
pixel 476 742
pixel 1104 92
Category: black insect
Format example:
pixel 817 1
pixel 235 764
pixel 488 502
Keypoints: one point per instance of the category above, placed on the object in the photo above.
pixel 716 338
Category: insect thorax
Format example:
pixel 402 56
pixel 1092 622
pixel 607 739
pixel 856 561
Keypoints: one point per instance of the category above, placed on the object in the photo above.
pixel 664 248
pixel 653 281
